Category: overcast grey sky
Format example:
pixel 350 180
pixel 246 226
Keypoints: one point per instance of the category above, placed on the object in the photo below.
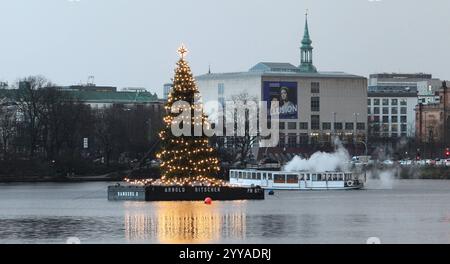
pixel 132 43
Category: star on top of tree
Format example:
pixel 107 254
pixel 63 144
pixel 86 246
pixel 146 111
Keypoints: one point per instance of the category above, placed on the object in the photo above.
pixel 182 51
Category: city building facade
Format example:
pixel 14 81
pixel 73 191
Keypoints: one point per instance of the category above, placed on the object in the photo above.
pixel 319 105
pixel 397 82
pixel 391 114
pixel 97 97
pixel 428 91
pixel 433 120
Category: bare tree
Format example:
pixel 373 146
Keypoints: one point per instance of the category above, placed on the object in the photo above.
pixel 53 103
pixel 29 99
pixel 7 128
pixel 111 132
pixel 240 146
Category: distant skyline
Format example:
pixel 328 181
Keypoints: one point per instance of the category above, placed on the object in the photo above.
pixel 133 43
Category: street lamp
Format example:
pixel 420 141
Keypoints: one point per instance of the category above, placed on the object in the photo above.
pixel 431 140
pixel 354 129
pixel 365 145
pixel 334 129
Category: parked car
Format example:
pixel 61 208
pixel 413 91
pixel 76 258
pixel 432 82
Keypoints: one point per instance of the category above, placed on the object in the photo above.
pixel 440 162
pixel 447 162
pixel 388 162
pixel 406 162
pixel 421 162
pixel 429 162
pixel 360 159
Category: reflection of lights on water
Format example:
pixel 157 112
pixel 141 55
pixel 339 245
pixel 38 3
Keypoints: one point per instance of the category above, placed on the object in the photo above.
pixel 183 222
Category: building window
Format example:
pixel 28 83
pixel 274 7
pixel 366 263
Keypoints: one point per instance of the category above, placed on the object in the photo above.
pixel 349 126
pixel 326 126
pixel 315 122
pixel 376 110
pixel 292 125
pixel 369 111
pixel 376 101
pixel 369 102
pixel 404 127
pixel 315 104
pixel 394 102
pixel 394 111
pixel 385 119
pixel 304 139
pixel 403 110
pixel 304 126
pixel 376 128
pixel 385 110
pixel 314 138
pixel 376 119
pixel 403 102
pixel 282 125
pixel 315 88
pixel 394 119
pixel 394 128
pixel 282 142
pixel 403 119
pixel 292 141
pixel 361 126
pixel 385 101
pixel 338 126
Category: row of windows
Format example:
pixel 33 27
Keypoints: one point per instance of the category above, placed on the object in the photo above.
pixel 387 128
pixel 386 101
pixel 295 141
pixel 315 125
pixel 386 119
pixel 385 110
pixel 390 135
pixel 290 178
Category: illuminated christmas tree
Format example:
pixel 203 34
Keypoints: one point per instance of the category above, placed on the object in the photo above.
pixel 186 160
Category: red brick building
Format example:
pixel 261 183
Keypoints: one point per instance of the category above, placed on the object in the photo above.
pixel 433 121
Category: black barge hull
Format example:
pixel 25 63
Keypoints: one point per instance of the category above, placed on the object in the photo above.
pixel 177 193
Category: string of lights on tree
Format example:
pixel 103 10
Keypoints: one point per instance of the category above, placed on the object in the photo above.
pixel 186 160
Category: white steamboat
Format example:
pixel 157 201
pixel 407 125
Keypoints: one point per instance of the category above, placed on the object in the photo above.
pixel 301 180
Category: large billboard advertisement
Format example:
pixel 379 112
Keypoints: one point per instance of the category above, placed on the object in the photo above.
pixel 286 94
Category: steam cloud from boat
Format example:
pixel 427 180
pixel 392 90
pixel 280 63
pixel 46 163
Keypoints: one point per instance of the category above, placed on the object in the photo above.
pixel 322 161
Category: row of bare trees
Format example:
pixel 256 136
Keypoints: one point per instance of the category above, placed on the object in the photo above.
pixel 42 123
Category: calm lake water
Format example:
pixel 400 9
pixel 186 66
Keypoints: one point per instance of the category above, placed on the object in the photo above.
pixel 412 211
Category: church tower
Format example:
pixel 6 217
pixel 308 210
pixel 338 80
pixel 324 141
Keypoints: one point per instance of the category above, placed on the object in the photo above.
pixel 306 61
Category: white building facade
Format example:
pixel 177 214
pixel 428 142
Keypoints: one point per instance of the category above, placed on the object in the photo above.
pixel 392 114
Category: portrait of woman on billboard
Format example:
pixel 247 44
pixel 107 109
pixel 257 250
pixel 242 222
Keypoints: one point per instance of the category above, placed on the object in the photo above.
pixel 282 98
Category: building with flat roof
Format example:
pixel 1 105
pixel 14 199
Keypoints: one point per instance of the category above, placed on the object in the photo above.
pixel 396 82
pixel 391 114
pixel 96 96
pixel 423 84
pixel 318 105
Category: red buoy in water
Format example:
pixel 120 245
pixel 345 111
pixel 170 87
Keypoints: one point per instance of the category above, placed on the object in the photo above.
pixel 208 200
